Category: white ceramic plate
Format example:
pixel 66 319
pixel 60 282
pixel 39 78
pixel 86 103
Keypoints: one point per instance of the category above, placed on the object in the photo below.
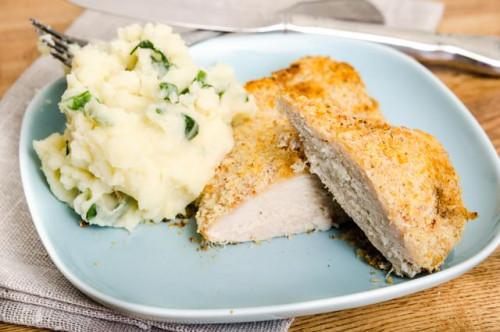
pixel 155 272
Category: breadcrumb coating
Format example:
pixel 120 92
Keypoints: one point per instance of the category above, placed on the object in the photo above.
pixel 267 149
pixel 408 170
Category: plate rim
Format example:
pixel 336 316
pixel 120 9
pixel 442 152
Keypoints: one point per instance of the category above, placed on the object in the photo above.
pixel 279 311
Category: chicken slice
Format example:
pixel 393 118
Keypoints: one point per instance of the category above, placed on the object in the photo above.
pixel 263 187
pixel 397 184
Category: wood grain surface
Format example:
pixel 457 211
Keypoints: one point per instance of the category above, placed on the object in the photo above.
pixel 468 303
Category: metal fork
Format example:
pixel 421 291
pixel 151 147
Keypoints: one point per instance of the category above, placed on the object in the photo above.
pixel 58 43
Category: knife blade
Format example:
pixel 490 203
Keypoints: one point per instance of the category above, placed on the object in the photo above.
pixel 479 54
pixel 233 16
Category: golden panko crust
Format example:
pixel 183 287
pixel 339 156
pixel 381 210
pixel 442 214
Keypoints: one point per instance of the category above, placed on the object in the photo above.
pixel 267 148
pixel 408 169
pixel 262 155
pixel 329 81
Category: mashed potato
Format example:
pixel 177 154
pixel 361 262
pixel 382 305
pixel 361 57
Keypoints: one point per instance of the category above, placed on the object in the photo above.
pixel 145 129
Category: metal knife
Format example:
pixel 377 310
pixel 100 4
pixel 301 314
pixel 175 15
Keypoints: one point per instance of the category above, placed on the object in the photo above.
pixel 479 54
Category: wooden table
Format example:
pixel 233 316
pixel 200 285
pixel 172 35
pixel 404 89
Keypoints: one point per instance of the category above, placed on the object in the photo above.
pixel 468 303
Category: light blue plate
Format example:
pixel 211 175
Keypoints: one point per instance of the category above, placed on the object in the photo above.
pixel 156 272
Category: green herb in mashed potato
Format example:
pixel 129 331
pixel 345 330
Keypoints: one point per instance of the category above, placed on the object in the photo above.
pixel 201 77
pixel 191 129
pixel 143 44
pixel 91 212
pixel 170 91
pixel 77 102
pixel 156 55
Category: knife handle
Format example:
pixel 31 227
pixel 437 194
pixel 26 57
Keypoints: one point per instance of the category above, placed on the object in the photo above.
pixel 479 54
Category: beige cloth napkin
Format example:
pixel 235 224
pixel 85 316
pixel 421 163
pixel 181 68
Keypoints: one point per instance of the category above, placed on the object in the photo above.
pixel 32 291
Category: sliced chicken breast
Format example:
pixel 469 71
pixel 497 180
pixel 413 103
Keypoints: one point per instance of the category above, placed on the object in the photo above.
pixel 397 184
pixel 263 187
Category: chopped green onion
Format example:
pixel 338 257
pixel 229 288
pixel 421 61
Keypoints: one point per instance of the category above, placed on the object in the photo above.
pixel 171 91
pixel 201 77
pixel 221 93
pixel 77 102
pixel 185 90
pixel 91 212
pixel 156 55
pixel 191 127
pixel 247 98
pixel 160 58
pixel 143 44
pixel 160 111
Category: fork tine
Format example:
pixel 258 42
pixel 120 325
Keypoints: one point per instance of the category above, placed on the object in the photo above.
pixel 58 36
pixel 53 44
pixel 64 51
pixel 64 60
pixel 43 28
pixel 58 43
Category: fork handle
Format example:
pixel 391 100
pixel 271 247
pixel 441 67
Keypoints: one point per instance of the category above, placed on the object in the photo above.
pixel 479 54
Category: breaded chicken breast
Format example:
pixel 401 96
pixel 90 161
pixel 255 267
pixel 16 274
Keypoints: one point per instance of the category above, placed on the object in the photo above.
pixel 263 188
pixel 397 184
